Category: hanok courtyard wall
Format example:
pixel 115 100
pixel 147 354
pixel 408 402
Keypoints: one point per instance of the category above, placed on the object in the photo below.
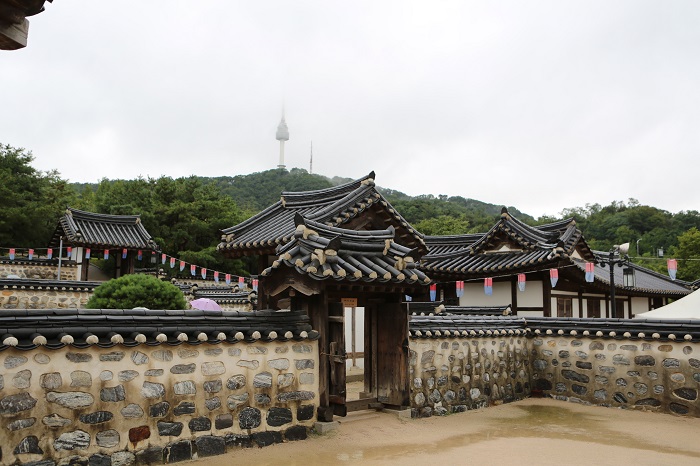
pixel 154 404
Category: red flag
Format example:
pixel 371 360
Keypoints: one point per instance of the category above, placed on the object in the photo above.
pixel 204 273
pixel 193 269
pixel 216 277
pixel 672 265
pixel 172 262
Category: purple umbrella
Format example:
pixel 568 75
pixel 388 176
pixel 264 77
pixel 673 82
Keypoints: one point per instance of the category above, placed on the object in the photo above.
pixel 205 304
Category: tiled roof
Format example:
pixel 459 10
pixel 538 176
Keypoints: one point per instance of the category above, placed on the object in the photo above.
pixel 509 246
pixel 646 280
pixel 41 284
pixel 323 252
pixel 226 295
pixel 460 326
pixel 80 228
pixel 340 205
pixel 82 328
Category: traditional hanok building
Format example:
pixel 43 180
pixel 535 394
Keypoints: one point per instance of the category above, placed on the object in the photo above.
pixel 511 249
pixel 89 235
pixel 323 251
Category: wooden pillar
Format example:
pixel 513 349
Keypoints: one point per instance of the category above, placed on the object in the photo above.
pixel 580 303
pixel 318 313
pixel 514 294
pixel 546 295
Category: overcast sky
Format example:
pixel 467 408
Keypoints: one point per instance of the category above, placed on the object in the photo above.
pixel 539 105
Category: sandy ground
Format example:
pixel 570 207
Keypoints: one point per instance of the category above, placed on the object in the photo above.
pixel 534 431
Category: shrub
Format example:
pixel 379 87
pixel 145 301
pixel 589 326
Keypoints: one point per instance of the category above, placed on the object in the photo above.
pixel 132 291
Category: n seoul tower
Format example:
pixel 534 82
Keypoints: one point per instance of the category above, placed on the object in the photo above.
pixel 282 136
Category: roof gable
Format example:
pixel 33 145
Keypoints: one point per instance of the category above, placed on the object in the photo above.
pixel 89 229
pixel 321 252
pixel 356 205
pixel 510 245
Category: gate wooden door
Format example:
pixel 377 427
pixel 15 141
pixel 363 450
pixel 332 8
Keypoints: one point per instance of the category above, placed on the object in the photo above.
pixel 336 358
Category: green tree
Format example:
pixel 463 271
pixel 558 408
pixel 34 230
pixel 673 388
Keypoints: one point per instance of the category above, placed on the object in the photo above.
pixel 688 254
pixel 31 200
pixel 130 291
pixel 443 225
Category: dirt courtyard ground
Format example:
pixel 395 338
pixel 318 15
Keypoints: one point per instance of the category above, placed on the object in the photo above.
pixel 532 431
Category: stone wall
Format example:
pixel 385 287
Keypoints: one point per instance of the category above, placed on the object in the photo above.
pixel 455 374
pixel 651 374
pixel 44 294
pixel 153 403
pixel 38 269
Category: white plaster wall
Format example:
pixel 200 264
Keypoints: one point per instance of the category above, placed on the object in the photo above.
pixel 532 296
pixel 639 305
pixel 474 295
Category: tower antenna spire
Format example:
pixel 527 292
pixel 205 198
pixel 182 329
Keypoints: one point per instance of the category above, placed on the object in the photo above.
pixel 282 136
pixel 311 159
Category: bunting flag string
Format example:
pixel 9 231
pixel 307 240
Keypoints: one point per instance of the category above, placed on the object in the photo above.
pixel 433 291
pixel 163 258
pixel 139 255
pixel 193 270
pixel 204 273
pixel 553 277
pixel 70 251
pixel 216 276
pixel 590 272
pixel 31 254
pixel 459 288
pixel 488 286
pixel 49 253
pixel 12 254
pixel 521 281
pixel 182 266
pixel 228 278
pixel 106 254
pixel 672 265
pixel 124 253
pixel 87 253
pixel 172 262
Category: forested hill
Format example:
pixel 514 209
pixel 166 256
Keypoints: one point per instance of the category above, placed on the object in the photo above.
pixel 256 191
pixel 185 214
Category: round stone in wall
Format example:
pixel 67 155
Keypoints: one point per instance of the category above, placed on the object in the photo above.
pixel 285 380
pixel 186 387
pixel 213 386
pixel 213 368
pixel 678 377
pixel 153 390
pixel 80 379
pixel 279 364
pixel 212 403
pixel 139 358
pixel 249 418
pixel 51 380
pixel 72 400
pixel 76 440
pixel 687 349
pixel 12 362
pixel 28 445
pixel 126 376
pixel 23 379
pixel 42 358
pixel 123 458
pixel 162 355
pixel 107 438
pixel 132 411
pixel 419 399
pixel 20 424
pixel 106 375
pixel 236 382
pixel 186 353
pixel 154 373
pixel 55 420
pixel 262 380
pixel 234 351
pixel 236 401
pixel 306 378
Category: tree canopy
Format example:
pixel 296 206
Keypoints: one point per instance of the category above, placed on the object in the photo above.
pixel 31 200
pixel 130 291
